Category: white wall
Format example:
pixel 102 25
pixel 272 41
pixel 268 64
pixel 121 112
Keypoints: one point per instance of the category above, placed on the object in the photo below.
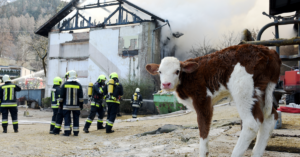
pixel 100 54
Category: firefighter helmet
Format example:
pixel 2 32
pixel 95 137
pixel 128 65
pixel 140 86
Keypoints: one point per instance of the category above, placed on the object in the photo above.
pixel 57 81
pixel 72 74
pixel 137 90
pixel 6 78
pixel 113 75
pixel 101 78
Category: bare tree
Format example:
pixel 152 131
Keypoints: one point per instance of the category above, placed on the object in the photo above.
pixel 202 49
pixel 254 33
pixel 39 45
pixel 228 39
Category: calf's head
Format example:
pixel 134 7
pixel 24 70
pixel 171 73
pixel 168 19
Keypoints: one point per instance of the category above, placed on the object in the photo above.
pixel 170 70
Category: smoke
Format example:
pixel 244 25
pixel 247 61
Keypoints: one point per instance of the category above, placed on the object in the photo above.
pixel 202 19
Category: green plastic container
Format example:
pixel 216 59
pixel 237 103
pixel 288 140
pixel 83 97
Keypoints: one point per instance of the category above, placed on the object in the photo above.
pixel 167 103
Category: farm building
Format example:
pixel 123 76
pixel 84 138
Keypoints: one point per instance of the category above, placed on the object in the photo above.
pixel 127 38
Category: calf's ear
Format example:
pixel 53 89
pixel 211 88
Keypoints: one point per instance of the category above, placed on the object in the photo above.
pixel 152 68
pixel 189 67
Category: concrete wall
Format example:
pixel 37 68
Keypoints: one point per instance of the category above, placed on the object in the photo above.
pixel 25 71
pixel 102 51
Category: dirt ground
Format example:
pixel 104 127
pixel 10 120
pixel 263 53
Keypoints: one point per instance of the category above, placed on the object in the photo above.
pixel 34 139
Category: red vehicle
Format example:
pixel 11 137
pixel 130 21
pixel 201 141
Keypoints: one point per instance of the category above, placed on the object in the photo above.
pixel 34 83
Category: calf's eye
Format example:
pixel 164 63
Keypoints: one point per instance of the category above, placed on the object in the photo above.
pixel 177 72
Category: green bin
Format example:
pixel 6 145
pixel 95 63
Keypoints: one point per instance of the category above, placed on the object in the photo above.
pixel 167 103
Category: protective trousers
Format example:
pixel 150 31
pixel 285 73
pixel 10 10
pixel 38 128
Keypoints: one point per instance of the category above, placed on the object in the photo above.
pixel 67 117
pixel 59 120
pixel 135 110
pixel 54 116
pixel 14 116
pixel 111 115
pixel 95 109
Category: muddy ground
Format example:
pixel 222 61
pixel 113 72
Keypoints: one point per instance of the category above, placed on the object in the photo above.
pixel 34 139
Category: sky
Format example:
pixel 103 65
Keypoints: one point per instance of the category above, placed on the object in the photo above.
pixel 199 19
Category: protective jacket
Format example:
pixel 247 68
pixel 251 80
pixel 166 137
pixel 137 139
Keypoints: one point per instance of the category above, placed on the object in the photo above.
pixel 117 93
pixel 98 94
pixel 8 94
pixel 71 96
pixel 55 95
pixel 139 100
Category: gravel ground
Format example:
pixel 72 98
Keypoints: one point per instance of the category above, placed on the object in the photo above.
pixel 34 139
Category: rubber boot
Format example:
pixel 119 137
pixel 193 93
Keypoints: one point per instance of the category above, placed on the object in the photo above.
pixel 108 129
pixel 86 130
pixel 100 126
pixel 86 127
pixel 4 129
pixel 16 127
pixel 76 133
pixel 66 134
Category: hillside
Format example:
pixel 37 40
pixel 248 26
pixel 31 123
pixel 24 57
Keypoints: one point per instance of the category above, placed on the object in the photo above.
pixel 18 20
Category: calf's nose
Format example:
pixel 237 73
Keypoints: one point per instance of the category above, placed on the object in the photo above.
pixel 166 85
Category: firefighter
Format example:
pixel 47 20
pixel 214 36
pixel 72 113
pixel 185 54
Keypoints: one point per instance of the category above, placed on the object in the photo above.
pixel 55 94
pixel 9 103
pixel 96 105
pixel 72 100
pixel 60 116
pixel 136 102
pixel 114 92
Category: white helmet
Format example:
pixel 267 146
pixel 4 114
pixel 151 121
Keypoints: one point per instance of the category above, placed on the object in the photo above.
pixel 137 90
pixel 72 75
pixel 6 78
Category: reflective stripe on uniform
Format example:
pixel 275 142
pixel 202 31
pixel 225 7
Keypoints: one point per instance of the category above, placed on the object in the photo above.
pixel 109 123
pixel 53 96
pixel 67 128
pixel 57 126
pixel 5 94
pixel 80 99
pixel 74 96
pixel 68 96
pixel 75 128
pixel 4 121
pixel 12 91
pixel 95 104
pixel 54 106
pixel 71 86
pixel 71 108
pixel 53 123
pixel 100 120
pixel 12 104
pixel 118 102
pixel 89 120
pixel 15 121
pixel 9 86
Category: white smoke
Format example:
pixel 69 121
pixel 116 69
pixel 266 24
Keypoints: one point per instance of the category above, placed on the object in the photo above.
pixel 199 19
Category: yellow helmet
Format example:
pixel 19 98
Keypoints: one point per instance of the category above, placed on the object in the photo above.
pixel 57 80
pixel 101 77
pixel 67 74
pixel 113 75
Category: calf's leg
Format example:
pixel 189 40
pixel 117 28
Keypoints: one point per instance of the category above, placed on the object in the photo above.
pixel 204 112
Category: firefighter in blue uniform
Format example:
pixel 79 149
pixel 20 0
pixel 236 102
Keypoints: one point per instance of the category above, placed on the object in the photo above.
pixel 72 100
pixel 113 93
pixel 136 102
pixel 55 94
pixel 9 103
pixel 96 105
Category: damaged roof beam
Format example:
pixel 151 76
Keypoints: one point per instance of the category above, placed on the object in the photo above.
pixel 146 12
pixel 96 6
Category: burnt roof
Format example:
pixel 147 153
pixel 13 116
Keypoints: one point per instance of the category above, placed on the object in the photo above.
pixel 46 27
pixel 283 6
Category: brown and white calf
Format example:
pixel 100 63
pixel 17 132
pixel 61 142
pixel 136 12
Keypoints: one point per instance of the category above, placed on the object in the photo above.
pixel 246 73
